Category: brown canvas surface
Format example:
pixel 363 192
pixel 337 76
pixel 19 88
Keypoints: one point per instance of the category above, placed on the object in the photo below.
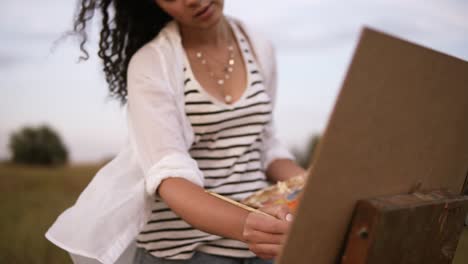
pixel 401 119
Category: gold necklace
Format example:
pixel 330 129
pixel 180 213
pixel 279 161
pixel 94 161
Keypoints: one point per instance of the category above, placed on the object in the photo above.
pixel 227 68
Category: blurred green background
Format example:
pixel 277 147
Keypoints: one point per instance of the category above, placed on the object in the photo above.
pixel 31 198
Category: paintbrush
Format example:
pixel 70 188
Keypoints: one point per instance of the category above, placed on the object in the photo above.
pixel 248 208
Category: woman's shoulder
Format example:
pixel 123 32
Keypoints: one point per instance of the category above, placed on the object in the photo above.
pixel 256 36
pixel 160 63
pixel 159 52
pixel 262 46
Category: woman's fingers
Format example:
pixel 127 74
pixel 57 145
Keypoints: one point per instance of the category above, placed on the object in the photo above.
pixel 266 224
pixel 262 237
pixel 279 211
pixel 266 234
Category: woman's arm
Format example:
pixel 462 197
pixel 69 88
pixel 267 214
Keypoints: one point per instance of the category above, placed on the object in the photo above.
pixel 283 169
pixel 264 234
pixel 202 210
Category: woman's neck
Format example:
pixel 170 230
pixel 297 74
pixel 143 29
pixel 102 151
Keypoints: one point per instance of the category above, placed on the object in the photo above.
pixel 216 36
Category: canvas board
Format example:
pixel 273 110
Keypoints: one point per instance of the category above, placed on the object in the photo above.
pixel 400 119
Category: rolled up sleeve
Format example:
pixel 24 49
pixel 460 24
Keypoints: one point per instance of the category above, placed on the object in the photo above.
pixel 273 147
pixel 155 124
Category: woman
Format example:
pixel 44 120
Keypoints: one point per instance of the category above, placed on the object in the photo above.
pixel 199 89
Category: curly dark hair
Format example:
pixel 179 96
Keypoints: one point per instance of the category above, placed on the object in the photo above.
pixel 133 24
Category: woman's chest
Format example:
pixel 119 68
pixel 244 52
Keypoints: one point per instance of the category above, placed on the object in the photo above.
pixel 224 81
pixel 213 120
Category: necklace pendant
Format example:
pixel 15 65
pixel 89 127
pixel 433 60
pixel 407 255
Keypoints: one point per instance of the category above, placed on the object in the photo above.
pixel 228 98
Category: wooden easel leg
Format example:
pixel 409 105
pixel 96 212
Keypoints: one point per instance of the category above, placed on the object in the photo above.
pixel 422 227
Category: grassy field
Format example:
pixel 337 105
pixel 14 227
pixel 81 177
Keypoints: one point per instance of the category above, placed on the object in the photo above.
pixel 30 200
pixel 32 197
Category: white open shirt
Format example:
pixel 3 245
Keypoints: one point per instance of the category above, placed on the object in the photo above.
pixel 103 223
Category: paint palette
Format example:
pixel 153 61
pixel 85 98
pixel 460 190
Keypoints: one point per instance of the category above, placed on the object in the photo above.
pixel 283 192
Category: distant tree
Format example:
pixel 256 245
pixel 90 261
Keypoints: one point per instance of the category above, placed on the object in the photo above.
pixel 305 155
pixel 40 145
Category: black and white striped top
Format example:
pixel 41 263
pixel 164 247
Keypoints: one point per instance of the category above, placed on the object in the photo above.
pixel 227 148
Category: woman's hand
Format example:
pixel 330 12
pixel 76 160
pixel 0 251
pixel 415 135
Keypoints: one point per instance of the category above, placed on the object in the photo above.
pixel 266 235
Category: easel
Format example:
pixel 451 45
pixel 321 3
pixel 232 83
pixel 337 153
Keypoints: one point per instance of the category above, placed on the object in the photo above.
pixel 421 227
pixel 400 120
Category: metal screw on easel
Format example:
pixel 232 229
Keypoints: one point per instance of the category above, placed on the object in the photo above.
pixel 363 233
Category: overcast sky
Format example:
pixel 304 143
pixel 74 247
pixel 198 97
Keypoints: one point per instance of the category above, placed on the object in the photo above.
pixel 315 40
